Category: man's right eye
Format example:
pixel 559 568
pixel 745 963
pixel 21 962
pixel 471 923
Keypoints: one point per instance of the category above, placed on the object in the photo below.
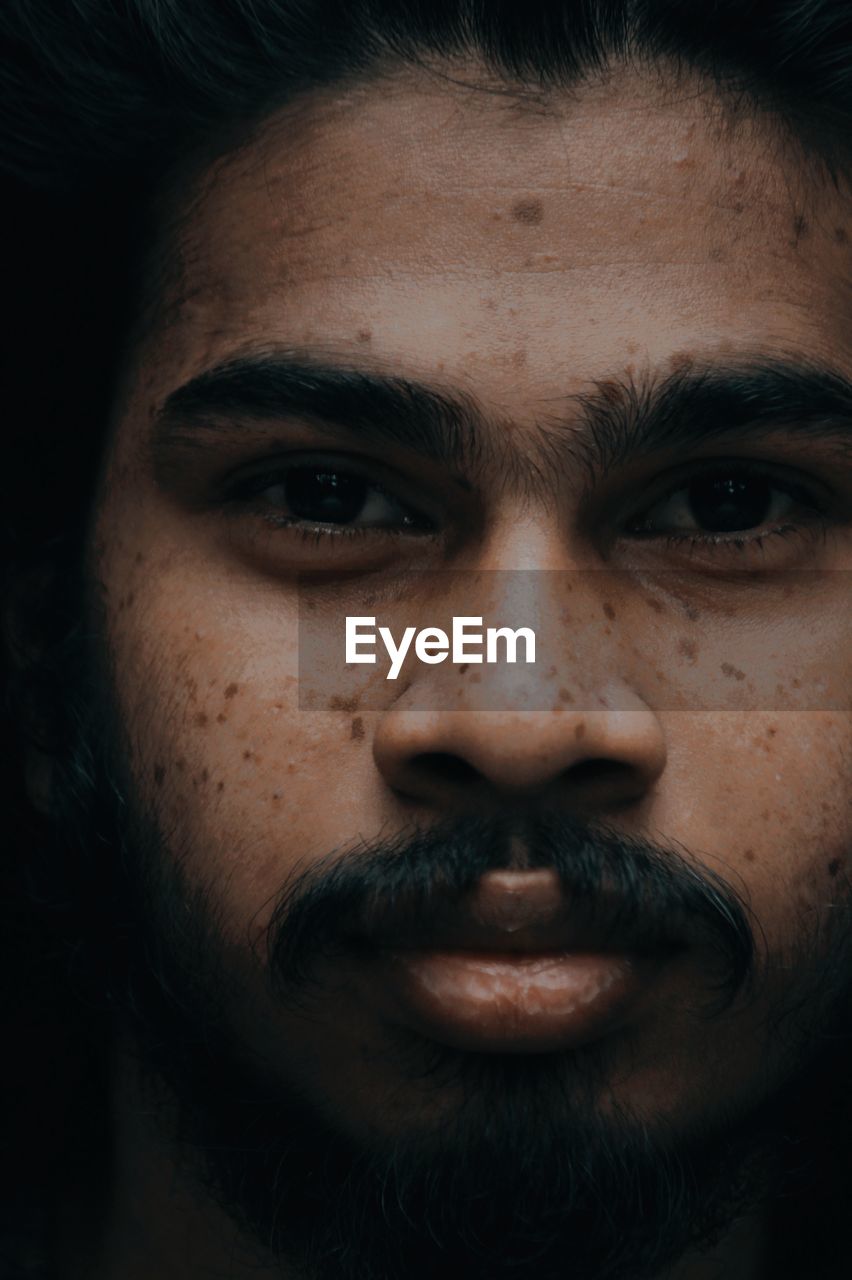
pixel 327 496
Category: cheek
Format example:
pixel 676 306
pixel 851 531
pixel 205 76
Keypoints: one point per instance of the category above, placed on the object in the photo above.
pixel 766 799
pixel 243 785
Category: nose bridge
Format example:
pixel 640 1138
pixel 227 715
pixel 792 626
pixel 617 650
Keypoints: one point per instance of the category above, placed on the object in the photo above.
pixel 554 644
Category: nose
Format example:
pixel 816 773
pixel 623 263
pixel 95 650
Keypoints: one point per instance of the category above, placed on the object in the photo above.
pixel 598 760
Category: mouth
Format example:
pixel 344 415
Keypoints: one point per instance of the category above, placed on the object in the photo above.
pixel 513 967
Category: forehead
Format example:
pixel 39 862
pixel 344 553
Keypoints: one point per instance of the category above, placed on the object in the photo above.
pixel 427 221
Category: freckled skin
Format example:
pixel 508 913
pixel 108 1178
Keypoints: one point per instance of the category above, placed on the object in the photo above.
pixel 297 240
pixel 529 211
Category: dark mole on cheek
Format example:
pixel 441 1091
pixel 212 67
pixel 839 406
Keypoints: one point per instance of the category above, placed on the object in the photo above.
pixel 749 855
pixel 565 695
pixel 729 670
pixel 464 666
pixel 232 690
pixel 688 648
pixel 364 335
pixel 342 704
pixel 357 728
pixel 528 211
pixel 220 786
pixel 800 227
pixel 201 719
pixel 608 610
pixel 221 718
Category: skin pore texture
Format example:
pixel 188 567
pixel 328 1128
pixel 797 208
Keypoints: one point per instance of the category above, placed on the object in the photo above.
pixel 519 252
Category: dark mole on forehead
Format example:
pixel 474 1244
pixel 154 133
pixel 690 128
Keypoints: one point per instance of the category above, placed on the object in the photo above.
pixel 530 211
pixel 357 729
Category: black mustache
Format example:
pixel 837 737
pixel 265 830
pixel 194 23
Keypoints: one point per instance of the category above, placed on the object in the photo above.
pixel 628 886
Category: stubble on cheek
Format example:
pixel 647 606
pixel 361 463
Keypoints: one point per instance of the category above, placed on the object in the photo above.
pixel 769 798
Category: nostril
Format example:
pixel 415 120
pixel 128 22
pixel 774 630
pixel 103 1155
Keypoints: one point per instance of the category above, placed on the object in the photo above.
pixel 598 770
pixel 601 781
pixel 446 766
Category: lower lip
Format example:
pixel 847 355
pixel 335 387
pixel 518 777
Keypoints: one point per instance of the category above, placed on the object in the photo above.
pixel 515 1002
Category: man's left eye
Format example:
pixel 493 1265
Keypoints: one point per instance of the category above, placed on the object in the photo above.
pixel 326 495
pixel 724 502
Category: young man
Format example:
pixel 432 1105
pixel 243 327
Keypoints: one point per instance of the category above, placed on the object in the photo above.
pixel 536 314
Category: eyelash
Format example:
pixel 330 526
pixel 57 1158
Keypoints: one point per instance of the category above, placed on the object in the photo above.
pixel 812 523
pixel 689 542
pixel 697 541
pixel 319 533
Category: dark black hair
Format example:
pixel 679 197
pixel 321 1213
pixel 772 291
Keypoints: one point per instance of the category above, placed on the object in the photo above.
pixel 90 86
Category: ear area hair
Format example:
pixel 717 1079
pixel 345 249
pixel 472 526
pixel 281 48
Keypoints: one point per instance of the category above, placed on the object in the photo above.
pixel 34 634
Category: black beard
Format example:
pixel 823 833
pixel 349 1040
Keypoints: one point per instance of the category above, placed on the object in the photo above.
pixel 528 1176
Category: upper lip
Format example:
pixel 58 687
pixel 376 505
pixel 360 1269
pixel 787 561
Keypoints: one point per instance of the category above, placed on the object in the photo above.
pixel 518 912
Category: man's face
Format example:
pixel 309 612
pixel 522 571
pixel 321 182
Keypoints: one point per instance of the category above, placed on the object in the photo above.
pixel 534 261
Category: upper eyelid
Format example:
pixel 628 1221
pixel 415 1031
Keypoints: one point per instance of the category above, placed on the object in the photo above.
pixel 274 469
pixel 399 488
pixel 780 475
pixel 272 474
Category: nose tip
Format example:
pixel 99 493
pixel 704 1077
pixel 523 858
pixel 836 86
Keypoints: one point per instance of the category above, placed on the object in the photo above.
pixel 600 758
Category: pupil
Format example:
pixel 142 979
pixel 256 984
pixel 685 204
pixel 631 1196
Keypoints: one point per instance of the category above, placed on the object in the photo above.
pixel 725 504
pixel 329 497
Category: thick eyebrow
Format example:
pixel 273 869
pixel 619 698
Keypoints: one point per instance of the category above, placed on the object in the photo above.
pixel 615 421
pixel 444 426
pixel 697 404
